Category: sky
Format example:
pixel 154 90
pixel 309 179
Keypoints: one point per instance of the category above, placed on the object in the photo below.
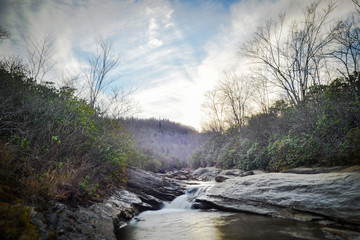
pixel 170 51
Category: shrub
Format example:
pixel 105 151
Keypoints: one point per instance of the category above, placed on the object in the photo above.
pixel 294 151
pixel 57 146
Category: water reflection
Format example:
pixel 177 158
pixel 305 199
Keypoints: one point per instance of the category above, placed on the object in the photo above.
pixel 186 224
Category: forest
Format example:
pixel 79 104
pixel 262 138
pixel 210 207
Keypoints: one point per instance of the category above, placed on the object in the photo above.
pixel 169 144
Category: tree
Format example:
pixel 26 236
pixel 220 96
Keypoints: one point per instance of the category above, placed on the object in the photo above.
pixel 113 101
pixel 214 110
pixel 293 58
pixel 347 53
pixel 101 64
pixel 235 92
pixel 261 91
pixel 226 104
pixel 40 56
pixel 119 104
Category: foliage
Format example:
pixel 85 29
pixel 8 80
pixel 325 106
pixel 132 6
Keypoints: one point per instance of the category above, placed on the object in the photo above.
pixel 321 131
pixel 54 145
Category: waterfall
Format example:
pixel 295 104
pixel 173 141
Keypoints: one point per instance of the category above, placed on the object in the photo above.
pixel 187 200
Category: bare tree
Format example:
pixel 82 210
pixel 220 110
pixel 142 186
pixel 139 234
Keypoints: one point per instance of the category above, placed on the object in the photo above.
pixel 119 104
pixel 227 104
pixel 347 52
pixel 112 100
pixel 235 92
pixel 261 93
pixel 214 110
pixel 293 58
pixel 101 63
pixel 40 56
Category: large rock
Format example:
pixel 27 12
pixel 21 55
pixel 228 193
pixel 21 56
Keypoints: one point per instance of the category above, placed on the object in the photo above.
pixel 143 182
pixel 304 197
pixel 99 221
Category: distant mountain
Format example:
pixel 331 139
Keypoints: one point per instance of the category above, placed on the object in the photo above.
pixel 169 142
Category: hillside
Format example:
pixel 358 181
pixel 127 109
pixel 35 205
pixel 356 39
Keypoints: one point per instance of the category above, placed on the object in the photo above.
pixel 170 143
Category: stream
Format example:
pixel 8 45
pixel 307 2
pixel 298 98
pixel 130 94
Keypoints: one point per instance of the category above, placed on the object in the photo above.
pixel 179 221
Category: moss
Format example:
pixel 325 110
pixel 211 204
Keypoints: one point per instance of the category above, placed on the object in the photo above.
pixel 15 222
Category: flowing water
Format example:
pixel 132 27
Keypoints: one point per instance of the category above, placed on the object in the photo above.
pixel 177 221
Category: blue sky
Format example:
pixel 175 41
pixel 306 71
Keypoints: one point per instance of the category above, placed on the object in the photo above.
pixel 171 52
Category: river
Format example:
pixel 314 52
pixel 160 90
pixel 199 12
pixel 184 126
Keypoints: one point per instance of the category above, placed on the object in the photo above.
pixel 178 221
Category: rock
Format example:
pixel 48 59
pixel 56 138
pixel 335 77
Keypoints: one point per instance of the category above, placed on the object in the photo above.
pixel 232 172
pixel 248 173
pixel 99 221
pixel 259 172
pixel 303 170
pixel 152 202
pixel 220 178
pixel 206 174
pixel 179 174
pixel 309 197
pixel 163 188
pixel 343 234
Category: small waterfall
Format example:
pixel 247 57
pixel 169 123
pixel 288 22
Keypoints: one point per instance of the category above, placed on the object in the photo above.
pixel 187 200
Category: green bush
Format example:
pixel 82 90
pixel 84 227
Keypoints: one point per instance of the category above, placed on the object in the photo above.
pixel 256 158
pixel 293 151
pixel 349 150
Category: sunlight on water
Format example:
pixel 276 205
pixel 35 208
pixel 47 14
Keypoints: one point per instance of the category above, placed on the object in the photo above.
pixel 186 224
pixel 177 221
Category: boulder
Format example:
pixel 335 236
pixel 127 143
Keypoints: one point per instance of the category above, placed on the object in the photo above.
pixel 310 197
pixel 142 182
pixel 99 221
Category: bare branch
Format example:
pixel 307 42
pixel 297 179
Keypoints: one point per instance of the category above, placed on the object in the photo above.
pixel 293 57
pixel 40 56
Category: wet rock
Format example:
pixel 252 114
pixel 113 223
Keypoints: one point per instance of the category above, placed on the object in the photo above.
pixel 311 197
pixel 152 203
pixel 334 233
pixel 143 182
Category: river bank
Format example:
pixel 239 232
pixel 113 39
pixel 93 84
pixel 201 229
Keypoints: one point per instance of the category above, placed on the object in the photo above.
pixel 326 197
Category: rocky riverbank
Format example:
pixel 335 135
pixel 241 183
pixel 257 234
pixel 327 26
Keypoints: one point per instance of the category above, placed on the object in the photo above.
pixel 101 220
pixel 328 196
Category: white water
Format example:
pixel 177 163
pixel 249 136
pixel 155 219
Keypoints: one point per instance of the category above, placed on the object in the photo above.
pixel 187 200
pixel 177 221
